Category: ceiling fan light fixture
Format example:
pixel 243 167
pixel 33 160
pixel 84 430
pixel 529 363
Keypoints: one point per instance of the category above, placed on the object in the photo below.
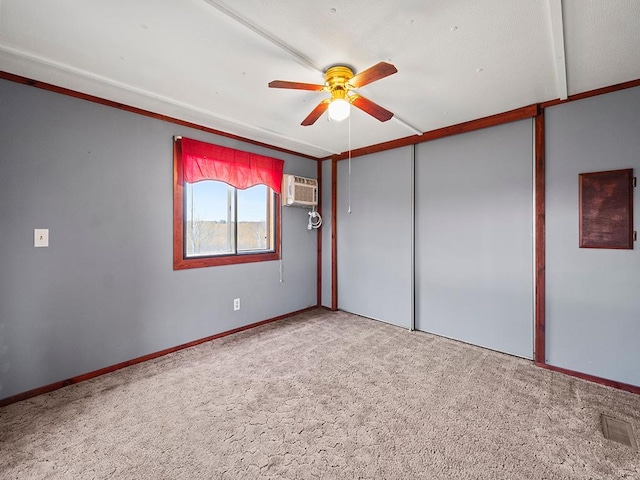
pixel 340 83
pixel 339 109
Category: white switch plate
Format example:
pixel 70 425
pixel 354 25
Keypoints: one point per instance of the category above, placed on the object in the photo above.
pixel 236 304
pixel 41 237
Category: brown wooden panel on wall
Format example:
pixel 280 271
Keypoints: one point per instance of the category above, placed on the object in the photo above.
pixel 319 239
pixel 540 241
pixel 334 235
pixel 606 209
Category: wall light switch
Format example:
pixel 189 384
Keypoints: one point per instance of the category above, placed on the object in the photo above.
pixel 41 237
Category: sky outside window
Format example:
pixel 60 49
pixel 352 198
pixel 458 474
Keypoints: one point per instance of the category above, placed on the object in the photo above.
pixel 209 201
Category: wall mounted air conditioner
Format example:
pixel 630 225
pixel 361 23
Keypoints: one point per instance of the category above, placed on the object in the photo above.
pixel 299 191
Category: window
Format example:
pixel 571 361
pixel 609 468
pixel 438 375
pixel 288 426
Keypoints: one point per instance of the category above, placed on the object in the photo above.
pixel 223 220
pixel 225 206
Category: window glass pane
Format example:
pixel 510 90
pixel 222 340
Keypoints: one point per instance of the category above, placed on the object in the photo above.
pixel 254 206
pixel 210 223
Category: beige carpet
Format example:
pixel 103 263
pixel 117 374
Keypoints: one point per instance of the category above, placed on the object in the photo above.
pixel 322 395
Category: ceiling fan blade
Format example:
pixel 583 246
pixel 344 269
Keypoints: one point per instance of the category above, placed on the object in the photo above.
pixel 371 108
pixel 378 71
pixel 296 85
pixel 316 113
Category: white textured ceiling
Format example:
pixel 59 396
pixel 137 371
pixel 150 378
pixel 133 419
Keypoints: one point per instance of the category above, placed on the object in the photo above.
pixel 192 60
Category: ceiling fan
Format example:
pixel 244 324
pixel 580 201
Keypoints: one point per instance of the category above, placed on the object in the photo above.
pixel 340 82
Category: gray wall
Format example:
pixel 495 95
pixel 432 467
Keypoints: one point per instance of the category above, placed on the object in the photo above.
pixel 474 246
pixel 374 240
pixel 105 291
pixel 593 295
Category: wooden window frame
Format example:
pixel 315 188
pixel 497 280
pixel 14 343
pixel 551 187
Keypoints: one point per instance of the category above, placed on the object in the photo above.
pixel 180 261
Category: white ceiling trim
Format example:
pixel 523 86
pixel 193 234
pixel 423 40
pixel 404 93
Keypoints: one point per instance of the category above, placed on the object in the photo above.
pixel 406 124
pixel 557 32
pixel 300 57
pixel 51 64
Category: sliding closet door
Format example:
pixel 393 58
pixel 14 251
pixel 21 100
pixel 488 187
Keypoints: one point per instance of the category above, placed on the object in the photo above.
pixel 374 240
pixel 474 238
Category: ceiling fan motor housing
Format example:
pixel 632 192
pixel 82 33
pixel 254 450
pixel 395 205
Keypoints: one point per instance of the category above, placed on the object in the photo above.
pixel 336 79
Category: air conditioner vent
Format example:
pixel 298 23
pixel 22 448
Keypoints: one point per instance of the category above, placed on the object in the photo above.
pixel 299 191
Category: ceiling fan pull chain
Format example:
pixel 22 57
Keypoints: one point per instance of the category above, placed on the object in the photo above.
pixel 349 180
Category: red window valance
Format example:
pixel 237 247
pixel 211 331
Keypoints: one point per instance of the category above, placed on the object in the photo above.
pixel 205 161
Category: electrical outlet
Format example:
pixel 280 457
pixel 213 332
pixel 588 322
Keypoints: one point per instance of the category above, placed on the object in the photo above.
pixel 236 304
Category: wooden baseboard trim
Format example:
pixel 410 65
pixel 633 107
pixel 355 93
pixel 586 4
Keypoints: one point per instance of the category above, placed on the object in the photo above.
pixel 96 373
pixel 591 378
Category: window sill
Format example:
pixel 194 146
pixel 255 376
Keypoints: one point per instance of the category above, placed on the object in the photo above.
pixel 180 263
